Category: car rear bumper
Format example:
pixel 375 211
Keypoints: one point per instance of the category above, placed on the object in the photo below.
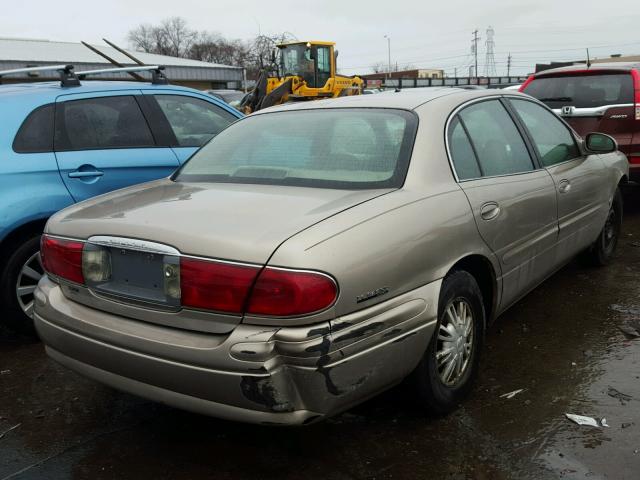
pixel 256 374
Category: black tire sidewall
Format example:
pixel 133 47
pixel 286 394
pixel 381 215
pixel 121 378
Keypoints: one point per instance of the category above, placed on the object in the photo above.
pixel 11 314
pixel 438 397
pixel 598 253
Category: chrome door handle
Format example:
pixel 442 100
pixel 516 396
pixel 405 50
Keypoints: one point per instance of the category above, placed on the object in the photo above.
pixel 564 187
pixel 79 174
pixel 489 211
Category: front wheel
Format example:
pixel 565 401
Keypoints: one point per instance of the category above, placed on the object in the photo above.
pixel 18 281
pixel 602 250
pixel 446 373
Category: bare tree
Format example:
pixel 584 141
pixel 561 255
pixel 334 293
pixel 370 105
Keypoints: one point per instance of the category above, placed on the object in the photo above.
pixel 174 37
pixel 142 38
pixel 379 67
pixel 177 36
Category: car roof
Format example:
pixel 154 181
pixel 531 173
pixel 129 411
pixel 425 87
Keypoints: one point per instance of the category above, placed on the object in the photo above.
pixel 407 99
pixel 595 67
pixel 54 89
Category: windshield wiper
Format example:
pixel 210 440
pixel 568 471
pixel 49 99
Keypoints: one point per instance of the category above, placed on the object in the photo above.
pixel 556 99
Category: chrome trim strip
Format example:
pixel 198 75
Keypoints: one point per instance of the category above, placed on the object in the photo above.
pixel 589 111
pixel 133 244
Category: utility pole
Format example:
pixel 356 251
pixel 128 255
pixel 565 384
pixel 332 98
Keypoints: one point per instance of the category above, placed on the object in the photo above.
pixel 509 65
pixel 474 50
pixel 455 72
pixel 389 51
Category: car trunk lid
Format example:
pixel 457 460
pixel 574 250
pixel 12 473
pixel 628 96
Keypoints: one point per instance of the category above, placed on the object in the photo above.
pixel 148 227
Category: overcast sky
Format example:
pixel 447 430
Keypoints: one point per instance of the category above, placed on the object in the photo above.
pixel 434 34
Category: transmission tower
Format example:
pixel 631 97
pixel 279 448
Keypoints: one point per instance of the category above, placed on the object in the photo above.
pixel 474 52
pixel 490 59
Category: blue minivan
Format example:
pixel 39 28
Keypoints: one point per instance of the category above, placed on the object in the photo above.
pixel 64 142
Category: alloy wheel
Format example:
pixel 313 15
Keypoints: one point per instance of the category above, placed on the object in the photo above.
pixel 30 274
pixel 455 342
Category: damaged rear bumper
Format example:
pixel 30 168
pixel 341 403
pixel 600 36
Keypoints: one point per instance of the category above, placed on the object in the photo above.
pixel 257 374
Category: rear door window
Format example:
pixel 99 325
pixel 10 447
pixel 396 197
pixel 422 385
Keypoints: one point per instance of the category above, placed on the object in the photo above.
pixel 194 121
pixel 36 132
pixel 583 91
pixel 101 123
pixel 464 160
pixel 495 138
pixel 552 139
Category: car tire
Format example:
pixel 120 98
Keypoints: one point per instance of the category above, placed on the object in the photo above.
pixel 439 393
pixel 21 257
pixel 603 249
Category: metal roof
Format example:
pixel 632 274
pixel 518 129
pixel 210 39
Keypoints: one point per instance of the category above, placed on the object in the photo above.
pixel 19 52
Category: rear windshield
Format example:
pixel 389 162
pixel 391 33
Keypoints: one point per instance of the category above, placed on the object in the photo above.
pixel 326 148
pixel 583 91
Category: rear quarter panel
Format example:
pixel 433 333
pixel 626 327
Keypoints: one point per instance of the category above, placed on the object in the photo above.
pixel 402 240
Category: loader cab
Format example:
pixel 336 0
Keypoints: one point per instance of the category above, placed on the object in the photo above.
pixel 312 61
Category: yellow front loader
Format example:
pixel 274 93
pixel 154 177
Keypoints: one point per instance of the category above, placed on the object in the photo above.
pixel 303 71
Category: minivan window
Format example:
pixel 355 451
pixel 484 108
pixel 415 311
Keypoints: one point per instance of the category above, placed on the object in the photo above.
pixel 552 139
pixel 36 132
pixel 193 121
pixel 310 148
pixel 583 91
pixel 495 138
pixel 101 123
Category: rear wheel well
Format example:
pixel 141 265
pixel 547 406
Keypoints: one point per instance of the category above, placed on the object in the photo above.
pixel 27 230
pixel 482 270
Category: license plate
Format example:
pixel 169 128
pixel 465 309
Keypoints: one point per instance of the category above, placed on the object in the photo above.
pixel 139 276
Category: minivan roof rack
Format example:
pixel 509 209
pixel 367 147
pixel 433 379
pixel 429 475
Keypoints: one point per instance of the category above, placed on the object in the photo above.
pixel 67 77
pixel 157 76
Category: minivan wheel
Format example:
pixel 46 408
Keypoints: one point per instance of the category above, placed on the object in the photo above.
pixel 602 250
pixel 18 282
pixel 446 373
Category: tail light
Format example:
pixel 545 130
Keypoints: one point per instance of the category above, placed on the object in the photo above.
pixel 226 287
pixel 284 293
pixel 204 284
pixel 218 286
pixel 636 87
pixel 62 258
pixel 526 83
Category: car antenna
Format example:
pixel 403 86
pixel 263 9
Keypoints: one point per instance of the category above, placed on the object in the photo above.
pixel 111 60
pixel 588 59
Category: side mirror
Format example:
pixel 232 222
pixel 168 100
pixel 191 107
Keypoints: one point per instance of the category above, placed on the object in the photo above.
pixel 600 143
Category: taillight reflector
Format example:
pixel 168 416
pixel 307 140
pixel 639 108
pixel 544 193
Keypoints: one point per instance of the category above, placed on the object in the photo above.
pixel 62 258
pixel 218 286
pixel 285 293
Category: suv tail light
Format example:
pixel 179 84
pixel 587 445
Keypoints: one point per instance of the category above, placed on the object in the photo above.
pixel 211 285
pixel 526 83
pixel 636 87
pixel 283 293
pixel 62 258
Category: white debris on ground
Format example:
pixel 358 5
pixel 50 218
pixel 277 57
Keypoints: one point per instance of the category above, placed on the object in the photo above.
pixel 512 394
pixel 588 421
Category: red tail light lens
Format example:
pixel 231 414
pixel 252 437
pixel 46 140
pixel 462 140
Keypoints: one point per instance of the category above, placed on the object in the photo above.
pixel 284 293
pixel 62 258
pixel 636 86
pixel 526 83
pixel 218 286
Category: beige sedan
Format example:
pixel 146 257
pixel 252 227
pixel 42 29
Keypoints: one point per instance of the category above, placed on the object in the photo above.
pixel 315 254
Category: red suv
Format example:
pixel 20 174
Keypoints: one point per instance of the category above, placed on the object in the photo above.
pixel 604 97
